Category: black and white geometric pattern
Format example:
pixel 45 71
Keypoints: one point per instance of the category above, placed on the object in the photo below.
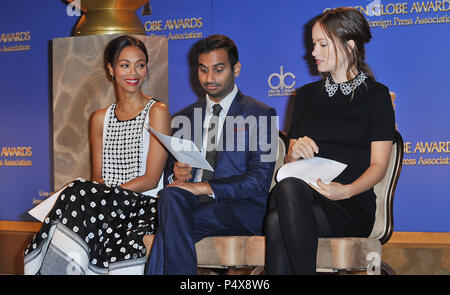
pixel 346 87
pixel 123 147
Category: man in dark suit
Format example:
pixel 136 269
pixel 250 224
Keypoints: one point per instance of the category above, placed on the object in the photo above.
pixel 238 136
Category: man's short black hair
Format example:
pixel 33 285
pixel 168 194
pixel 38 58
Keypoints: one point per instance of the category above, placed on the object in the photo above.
pixel 217 41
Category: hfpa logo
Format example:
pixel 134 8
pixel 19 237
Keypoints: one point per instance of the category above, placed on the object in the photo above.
pixel 281 84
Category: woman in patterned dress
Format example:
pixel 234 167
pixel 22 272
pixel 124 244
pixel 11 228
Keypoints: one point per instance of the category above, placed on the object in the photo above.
pixel 96 227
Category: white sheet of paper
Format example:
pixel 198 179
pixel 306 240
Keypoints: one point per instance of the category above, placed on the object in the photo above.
pixel 309 170
pixel 183 150
pixel 41 210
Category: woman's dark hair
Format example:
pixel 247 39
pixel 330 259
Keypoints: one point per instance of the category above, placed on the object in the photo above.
pixel 115 47
pixel 217 41
pixel 344 24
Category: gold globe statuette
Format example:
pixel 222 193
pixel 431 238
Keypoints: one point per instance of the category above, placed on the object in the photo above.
pixel 102 17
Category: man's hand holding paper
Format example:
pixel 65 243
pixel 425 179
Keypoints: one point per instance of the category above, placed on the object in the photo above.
pixel 182 171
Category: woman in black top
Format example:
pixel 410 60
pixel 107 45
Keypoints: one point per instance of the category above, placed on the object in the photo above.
pixel 347 117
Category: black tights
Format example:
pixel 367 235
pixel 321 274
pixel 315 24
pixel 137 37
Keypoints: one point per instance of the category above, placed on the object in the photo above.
pixel 297 217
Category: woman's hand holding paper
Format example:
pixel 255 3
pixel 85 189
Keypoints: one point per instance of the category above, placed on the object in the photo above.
pixel 333 191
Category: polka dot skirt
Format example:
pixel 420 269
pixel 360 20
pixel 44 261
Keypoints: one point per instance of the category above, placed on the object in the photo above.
pixel 111 221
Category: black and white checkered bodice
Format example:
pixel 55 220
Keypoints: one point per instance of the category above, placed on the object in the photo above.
pixel 124 151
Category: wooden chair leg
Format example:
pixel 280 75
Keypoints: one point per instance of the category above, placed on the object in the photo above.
pixel 257 271
pixel 231 270
pixel 205 271
pixel 386 269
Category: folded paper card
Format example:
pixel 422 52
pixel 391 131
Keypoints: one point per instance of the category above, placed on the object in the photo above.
pixel 309 170
pixel 42 209
pixel 183 150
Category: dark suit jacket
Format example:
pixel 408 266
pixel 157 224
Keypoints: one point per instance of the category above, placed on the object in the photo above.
pixel 243 171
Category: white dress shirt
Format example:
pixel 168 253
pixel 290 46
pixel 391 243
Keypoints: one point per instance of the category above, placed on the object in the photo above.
pixel 225 103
